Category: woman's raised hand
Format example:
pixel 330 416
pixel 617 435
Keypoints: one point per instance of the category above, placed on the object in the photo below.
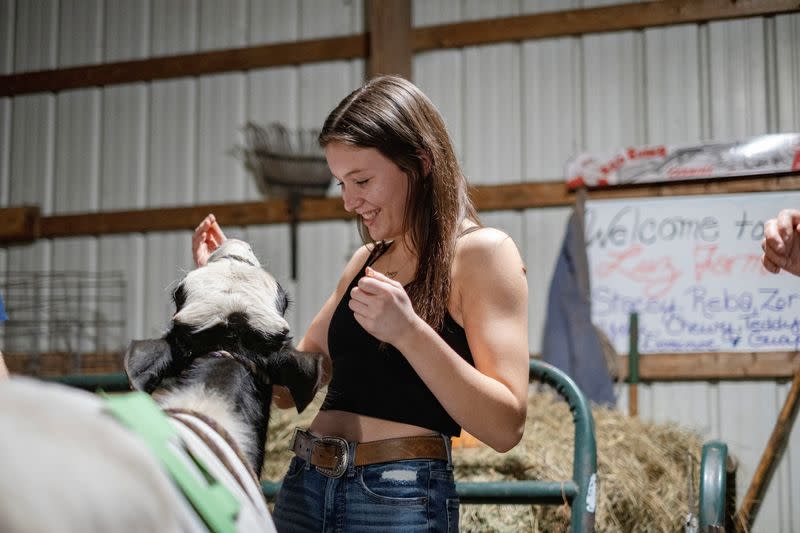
pixel 207 238
pixel 781 243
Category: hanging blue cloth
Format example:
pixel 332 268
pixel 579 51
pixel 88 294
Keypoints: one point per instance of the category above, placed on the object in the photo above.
pixel 3 315
pixel 571 341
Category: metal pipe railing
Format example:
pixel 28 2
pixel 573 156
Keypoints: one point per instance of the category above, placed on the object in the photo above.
pixel 584 468
pixel 717 489
pixel 580 492
pixel 115 382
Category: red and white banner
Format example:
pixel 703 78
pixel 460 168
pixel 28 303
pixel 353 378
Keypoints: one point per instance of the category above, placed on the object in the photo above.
pixel 765 154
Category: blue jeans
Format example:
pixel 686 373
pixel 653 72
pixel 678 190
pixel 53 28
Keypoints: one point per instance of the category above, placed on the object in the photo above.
pixel 399 497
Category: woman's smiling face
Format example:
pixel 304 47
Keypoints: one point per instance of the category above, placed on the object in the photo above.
pixel 373 187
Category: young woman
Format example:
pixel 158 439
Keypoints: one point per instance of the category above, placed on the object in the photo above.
pixel 426 330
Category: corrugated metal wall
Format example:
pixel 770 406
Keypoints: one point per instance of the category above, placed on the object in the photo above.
pixel 516 112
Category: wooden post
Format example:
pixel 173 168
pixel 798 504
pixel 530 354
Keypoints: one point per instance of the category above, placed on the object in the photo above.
pixel 633 365
pixel 389 26
pixel 769 459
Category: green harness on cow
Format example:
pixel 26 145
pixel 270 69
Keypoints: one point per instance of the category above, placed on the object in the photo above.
pixel 215 504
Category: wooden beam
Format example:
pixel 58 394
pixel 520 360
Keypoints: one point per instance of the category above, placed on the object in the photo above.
pixel 632 16
pixel 182 218
pixel 526 195
pixel 555 194
pixel 51 364
pixel 654 367
pixel 619 17
pixel 389 25
pixel 179 66
pixel 19 224
pixel 713 366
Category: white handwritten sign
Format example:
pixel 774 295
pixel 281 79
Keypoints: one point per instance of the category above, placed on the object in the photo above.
pixel 691 267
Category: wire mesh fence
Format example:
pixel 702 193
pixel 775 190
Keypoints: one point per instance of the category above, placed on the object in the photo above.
pixel 62 315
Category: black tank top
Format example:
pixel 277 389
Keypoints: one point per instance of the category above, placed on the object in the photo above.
pixel 379 382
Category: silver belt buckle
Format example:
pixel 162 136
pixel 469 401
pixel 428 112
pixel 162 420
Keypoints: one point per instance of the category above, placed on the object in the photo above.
pixel 341 463
pixel 294 439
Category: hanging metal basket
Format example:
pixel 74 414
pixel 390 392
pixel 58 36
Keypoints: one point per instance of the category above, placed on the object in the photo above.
pixel 285 162
pixel 287 165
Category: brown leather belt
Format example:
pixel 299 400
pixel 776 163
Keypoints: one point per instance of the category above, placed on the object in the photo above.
pixel 331 454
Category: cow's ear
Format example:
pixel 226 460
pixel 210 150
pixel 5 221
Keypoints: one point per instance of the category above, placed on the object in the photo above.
pixel 300 372
pixel 179 296
pixel 147 363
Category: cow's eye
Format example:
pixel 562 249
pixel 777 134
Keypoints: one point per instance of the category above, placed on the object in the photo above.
pixel 283 300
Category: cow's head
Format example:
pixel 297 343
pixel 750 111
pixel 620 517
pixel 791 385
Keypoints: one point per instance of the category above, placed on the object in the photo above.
pixel 232 308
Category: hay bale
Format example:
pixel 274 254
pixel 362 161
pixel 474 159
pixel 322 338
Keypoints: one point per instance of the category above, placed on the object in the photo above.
pixel 642 469
pixel 281 429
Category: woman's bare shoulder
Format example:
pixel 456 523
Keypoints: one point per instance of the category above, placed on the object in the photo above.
pixel 484 242
pixel 487 265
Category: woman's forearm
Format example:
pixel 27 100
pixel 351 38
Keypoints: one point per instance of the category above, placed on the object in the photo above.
pixel 482 404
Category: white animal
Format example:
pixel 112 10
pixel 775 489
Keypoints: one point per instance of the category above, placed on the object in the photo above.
pixel 66 465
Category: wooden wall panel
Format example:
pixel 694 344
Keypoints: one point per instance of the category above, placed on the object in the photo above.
pixel 221 107
pixel 35 35
pixel 273 21
pixel 223 24
pixel 487 9
pixel 737 92
pixel 492 114
pixel 330 19
pixel 613 91
pixel 786 61
pixel 7 30
pixel 674 109
pixel 174 27
pixel 172 138
pixel 127 29
pixel 80 33
pixel 440 73
pixel 552 107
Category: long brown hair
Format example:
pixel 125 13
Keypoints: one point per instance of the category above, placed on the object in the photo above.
pixel 393 116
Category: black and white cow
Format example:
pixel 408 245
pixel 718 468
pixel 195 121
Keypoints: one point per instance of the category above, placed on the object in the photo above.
pixel 66 465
